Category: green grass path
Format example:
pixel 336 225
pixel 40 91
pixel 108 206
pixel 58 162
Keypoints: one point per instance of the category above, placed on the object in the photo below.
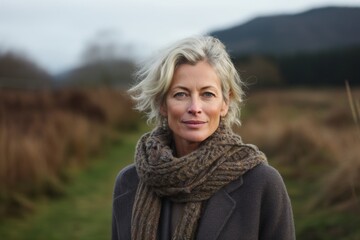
pixel 85 210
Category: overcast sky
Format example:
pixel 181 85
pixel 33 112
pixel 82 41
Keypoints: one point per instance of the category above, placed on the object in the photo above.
pixel 55 33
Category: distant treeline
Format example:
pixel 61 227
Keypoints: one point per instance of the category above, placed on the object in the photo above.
pixel 325 68
pixel 315 69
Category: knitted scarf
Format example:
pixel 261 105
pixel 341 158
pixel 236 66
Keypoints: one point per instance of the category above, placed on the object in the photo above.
pixel 190 179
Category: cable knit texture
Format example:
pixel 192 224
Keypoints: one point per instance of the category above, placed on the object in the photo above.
pixel 191 179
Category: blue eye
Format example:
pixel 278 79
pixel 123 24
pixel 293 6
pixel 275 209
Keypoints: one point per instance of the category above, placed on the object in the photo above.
pixel 180 94
pixel 208 94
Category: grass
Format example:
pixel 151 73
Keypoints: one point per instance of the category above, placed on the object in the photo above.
pixel 85 210
pixel 319 223
pixel 45 133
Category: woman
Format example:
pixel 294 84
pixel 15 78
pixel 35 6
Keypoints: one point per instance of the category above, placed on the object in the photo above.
pixel 193 178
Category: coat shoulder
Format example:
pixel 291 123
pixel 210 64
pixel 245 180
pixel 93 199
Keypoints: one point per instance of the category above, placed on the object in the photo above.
pixel 263 182
pixel 126 180
pixel 264 175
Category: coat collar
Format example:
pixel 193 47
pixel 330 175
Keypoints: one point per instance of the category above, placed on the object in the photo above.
pixel 218 210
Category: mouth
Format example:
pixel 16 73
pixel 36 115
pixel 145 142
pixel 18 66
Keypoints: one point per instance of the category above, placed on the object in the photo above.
pixel 194 123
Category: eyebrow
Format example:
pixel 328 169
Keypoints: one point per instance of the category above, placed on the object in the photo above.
pixel 187 89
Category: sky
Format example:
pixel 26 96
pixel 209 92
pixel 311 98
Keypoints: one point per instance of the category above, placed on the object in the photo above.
pixel 56 33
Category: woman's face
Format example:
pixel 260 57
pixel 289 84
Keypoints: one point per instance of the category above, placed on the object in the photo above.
pixel 194 104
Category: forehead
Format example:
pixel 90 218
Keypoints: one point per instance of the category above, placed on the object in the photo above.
pixel 201 73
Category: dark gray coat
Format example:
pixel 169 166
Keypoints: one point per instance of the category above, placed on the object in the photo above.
pixel 255 206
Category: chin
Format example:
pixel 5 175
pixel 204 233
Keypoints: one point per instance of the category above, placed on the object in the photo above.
pixel 196 137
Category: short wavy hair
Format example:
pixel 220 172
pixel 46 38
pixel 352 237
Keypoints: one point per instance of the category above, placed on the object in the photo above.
pixel 154 76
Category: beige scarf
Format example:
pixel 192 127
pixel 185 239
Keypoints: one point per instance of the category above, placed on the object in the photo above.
pixel 191 179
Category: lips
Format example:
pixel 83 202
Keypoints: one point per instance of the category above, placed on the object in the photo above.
pixel 193 122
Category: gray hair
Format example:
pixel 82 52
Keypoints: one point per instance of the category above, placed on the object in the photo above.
pixel 154 77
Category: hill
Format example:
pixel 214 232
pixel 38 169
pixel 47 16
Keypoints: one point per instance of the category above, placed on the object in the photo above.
pixel 115 73
pixel 311 31
pixel 18 71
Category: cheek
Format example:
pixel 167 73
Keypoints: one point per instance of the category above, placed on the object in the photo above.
pixel 174 116
pixel 215 110
pixel 175 110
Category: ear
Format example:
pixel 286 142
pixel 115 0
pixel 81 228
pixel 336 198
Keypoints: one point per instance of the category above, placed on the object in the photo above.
pixel 163 110
pixel 225 107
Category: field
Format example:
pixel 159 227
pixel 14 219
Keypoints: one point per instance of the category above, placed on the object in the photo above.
pixel 47 136
pixel 61 150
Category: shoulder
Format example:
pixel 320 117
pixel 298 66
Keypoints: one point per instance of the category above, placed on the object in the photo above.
pixel 263 186
pixel 264 173
pixel 269 186
pixel 126 180
pixel 264 180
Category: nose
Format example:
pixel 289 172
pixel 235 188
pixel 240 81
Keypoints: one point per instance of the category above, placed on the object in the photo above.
pixel 194 106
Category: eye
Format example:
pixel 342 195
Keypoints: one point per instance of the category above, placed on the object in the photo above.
pixel 180 95
pixel 208 94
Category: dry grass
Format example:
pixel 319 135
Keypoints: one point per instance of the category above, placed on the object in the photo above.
pixel 311 135
pixel 43 134
pixel 346 178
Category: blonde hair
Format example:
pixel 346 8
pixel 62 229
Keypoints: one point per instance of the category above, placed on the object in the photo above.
pixel 154 77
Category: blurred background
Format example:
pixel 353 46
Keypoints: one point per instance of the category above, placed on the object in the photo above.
pixel 67 125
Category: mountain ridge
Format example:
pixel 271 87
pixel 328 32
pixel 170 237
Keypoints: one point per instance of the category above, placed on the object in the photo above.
pixel 309 31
